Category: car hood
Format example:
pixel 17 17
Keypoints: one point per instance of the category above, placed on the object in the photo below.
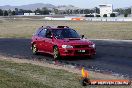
pixel 75 41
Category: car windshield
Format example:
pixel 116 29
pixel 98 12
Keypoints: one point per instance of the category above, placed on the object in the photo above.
pixel 65 33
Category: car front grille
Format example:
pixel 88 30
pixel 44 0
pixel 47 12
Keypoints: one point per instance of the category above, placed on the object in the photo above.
pixel 81 46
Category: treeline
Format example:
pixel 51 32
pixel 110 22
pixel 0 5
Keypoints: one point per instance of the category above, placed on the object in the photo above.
pixel 126 11
pixel 123 11
pixel 79 11
pixel 46 11
pixel 43 11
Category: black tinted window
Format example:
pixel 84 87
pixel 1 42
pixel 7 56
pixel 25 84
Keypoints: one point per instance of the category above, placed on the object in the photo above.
pixel 48 33
pixel 65 33
pixel 37 32
pixel 42 33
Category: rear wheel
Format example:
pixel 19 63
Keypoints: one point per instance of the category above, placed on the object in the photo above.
pixel 34 49
pixel 56 53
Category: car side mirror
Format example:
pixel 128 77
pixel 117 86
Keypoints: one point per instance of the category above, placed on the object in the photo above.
pixel 82 36
pixel 51 36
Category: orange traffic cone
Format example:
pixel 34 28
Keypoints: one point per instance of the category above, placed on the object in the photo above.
pixel 85 80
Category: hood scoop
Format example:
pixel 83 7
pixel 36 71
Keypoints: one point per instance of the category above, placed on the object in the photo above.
pixel 74 38
pixel 71 39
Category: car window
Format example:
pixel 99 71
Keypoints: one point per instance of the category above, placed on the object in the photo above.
pixel 37 31
pixel 65 33
pixel 48 33
pixel 42 33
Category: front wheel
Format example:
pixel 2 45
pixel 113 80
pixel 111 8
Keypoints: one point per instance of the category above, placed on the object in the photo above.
pixel 56 53
pixel 34 49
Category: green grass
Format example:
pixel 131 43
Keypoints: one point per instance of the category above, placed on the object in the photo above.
pixel 23 75
pixel 95 30
pixel 10 80
pixel 14 75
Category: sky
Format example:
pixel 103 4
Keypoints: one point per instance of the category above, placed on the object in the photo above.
pixel 77 3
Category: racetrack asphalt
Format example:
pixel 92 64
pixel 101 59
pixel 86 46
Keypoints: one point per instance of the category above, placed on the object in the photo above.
pixel 112 56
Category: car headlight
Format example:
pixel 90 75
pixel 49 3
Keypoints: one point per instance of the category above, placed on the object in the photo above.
pixel 67 46
pixel 92 46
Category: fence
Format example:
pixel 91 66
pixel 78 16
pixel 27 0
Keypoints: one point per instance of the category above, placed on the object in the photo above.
pixel 120 19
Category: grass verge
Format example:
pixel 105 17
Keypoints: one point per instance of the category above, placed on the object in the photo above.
pixel 28 75
pixel 15 75
pixel 94 30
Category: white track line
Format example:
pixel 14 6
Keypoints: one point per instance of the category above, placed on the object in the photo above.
pixel 113 40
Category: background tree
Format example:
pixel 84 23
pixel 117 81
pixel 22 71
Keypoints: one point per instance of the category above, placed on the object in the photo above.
pixel 1 12
pixel 76 11
pixel 98 16
pixel 90 15
pixel 125 15
pixel 21 11
pixel 123 11
pixel 56 11
pixel 45 11
pixel 5 13
pixel 28 11
pixel 97 10
pixel 128 11
pixel 9 12
pixel 82 11
pixel 68 11
pixel 91 11
pixel 105 15
pixel 112 15
pixel 13 13
pixel 16 11
pixel 37 11
pixel 87 11
pixel 71 11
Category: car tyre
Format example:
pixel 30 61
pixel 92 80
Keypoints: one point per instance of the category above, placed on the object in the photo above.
pixel 34 49
pixel 56 53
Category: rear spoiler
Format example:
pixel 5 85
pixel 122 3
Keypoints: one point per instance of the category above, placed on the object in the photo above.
pixel 62 27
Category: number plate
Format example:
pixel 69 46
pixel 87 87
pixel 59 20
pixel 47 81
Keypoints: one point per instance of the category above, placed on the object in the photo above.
pixel 81 51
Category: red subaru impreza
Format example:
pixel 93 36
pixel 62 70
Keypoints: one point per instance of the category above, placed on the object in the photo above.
pixel 61 42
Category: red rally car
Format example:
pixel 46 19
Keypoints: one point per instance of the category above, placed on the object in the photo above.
pixel 61 41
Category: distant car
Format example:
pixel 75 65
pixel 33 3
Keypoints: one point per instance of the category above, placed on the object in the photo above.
pixel 61 41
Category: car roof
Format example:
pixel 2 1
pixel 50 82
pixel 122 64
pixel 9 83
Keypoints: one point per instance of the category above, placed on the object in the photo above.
pixel 58 27
pixel 52 28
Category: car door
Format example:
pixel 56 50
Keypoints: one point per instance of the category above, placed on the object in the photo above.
pixel 41 40
pixel 48 41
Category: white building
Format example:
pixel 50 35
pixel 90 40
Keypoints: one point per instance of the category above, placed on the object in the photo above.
pixel 29 14
pixel 106 9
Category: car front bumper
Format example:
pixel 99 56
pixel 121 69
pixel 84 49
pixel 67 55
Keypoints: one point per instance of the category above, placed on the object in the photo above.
pixel 77 52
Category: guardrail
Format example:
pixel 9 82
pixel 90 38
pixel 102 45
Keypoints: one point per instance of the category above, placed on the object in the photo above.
pixel 105 19
pixel 120 19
